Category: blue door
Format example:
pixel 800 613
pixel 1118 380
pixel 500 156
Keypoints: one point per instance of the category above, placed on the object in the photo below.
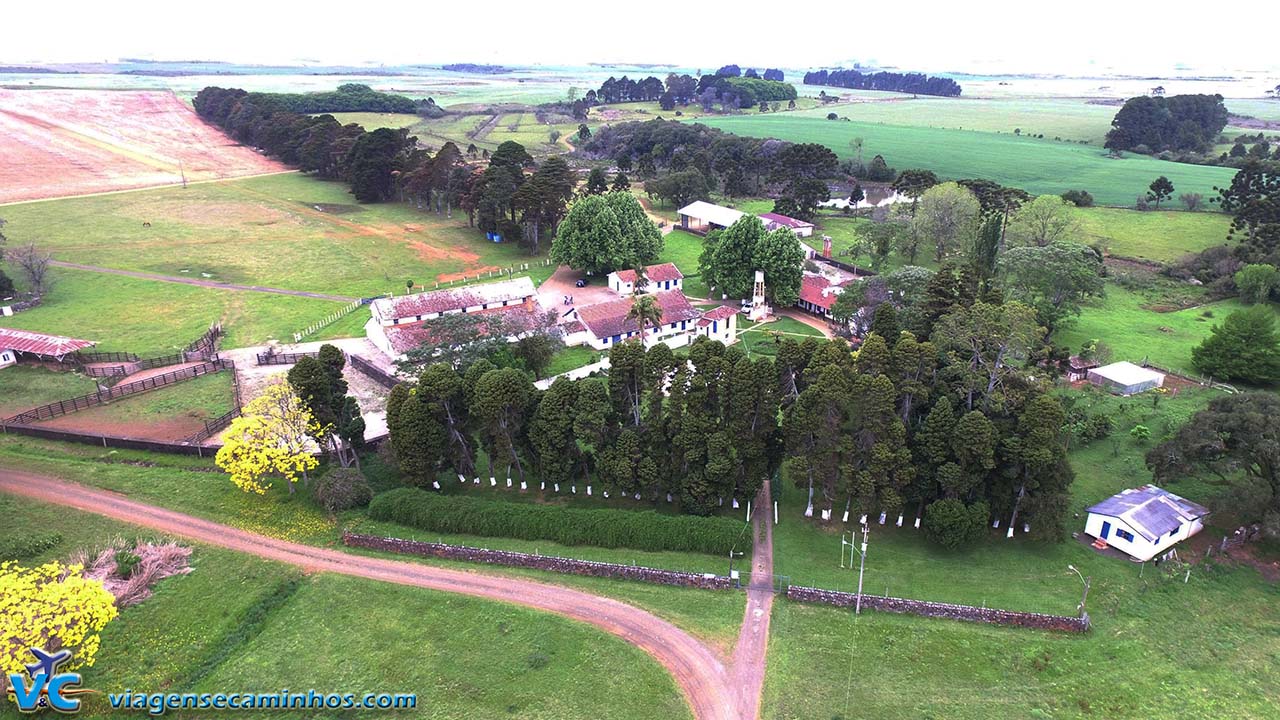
pixel 1106 529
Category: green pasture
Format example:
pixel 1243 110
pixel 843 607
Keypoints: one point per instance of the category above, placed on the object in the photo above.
pixel 683 248
pixel 176 411
pixel 1160 236
pixel 1038 166
pixel 1135 332
pixel 239 623
pixel 150 317
pixel 288 231
pixel 903 667
pixel 763 338
pixel 28 386
pixel 1069 119
pixel 376 120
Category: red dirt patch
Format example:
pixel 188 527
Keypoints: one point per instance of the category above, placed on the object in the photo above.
pixel 473 273
pixel 74 142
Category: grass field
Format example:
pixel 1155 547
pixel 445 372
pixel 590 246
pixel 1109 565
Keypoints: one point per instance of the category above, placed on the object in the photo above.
pixel 887 666
pixel 149 317
pixel 1071 119
pixel 238 623
pixel 170 413
pixel 27 386
pixel 683 249
pixel 1037 166
pixel 1135 333
pixel 287 231
pixel 1162 236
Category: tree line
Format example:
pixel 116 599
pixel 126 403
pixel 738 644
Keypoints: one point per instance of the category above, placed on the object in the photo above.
pixel 915 83
pixel 957 425
pixel 350 97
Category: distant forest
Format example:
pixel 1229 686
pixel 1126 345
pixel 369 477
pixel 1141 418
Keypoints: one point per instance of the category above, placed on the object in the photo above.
pixel 917 83
pixel 475 68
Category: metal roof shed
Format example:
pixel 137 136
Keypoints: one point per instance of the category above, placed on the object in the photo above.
pixel 1125 378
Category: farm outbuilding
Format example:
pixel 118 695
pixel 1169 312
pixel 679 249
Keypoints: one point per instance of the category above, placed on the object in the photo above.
pixel 702 217
pixel 773 221
pixel 661 277
pixel 1125 378
pixel 15 343
pixel 1144 521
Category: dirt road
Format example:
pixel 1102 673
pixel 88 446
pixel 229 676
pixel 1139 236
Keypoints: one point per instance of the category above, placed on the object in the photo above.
pixel 746 672
pixel 696 669
pixel 200 283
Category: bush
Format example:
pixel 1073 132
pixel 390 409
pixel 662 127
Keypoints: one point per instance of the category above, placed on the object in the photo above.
pixel 126 563
pixel 639 530
pixel 21 547
pixel 951 524
pixel 1079 198
pixel 342 489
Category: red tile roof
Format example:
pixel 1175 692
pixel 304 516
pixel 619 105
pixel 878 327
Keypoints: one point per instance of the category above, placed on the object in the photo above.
pixel 40 344
pixel 404 338
pixel 784 221
pixel 720 313
pixel 607 319
pixel 440 301
pixel 655 273
pixel 811 291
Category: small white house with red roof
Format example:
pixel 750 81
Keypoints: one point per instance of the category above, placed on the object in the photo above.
pixel 665 276
pixel 606 324
pixel 14 342
pixel 773 221
pixel 818 293
pixel 720 323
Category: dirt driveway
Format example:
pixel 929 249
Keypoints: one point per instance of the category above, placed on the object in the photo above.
pixel 551 293
pixel 697 670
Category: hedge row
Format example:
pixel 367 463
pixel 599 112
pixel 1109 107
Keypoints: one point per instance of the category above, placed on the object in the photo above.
pixel 639 530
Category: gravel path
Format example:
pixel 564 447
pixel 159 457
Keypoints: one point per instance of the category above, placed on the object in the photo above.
pixel 695 667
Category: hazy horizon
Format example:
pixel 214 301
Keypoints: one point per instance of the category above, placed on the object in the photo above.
pixel 999 37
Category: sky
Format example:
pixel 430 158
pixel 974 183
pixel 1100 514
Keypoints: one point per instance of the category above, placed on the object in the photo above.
pixel 1077 37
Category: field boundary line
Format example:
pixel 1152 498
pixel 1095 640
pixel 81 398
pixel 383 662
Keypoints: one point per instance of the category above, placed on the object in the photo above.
pixel 211 284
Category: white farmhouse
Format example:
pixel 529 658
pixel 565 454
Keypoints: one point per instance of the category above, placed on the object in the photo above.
pixel 399 324
pixel 665 276
pixel 1145 521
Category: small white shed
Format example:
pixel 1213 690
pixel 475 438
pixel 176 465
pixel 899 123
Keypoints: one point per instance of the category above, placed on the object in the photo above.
pixel 1144 521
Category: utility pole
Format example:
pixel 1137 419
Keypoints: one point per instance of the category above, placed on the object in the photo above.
pixel 857 610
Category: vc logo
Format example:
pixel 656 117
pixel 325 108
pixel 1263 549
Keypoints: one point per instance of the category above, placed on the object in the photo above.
pixel 46 687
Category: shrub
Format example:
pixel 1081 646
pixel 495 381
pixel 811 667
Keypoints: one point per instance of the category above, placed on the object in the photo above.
pixel 126 563
pixel 343 489
pixel 610 528
pixel 1079 198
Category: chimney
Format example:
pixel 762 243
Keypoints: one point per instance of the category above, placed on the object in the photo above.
pixel 826 246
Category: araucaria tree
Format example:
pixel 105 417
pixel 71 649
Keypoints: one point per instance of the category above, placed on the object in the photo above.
pixel 271 437
pixel 1161 189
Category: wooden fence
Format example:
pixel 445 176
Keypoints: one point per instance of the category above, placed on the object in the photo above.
pixel 283 358
pixel 104 396
pixel 107 371
pixel 84 358
pixel 214 426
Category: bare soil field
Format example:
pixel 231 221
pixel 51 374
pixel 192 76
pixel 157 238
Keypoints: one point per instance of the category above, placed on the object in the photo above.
pixel 57 143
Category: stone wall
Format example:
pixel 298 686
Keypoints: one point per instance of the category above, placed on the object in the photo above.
pixel 538 562
pixel 923 608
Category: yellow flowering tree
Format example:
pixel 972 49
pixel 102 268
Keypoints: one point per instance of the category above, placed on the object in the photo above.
pixel 52 606
pixel 269 438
